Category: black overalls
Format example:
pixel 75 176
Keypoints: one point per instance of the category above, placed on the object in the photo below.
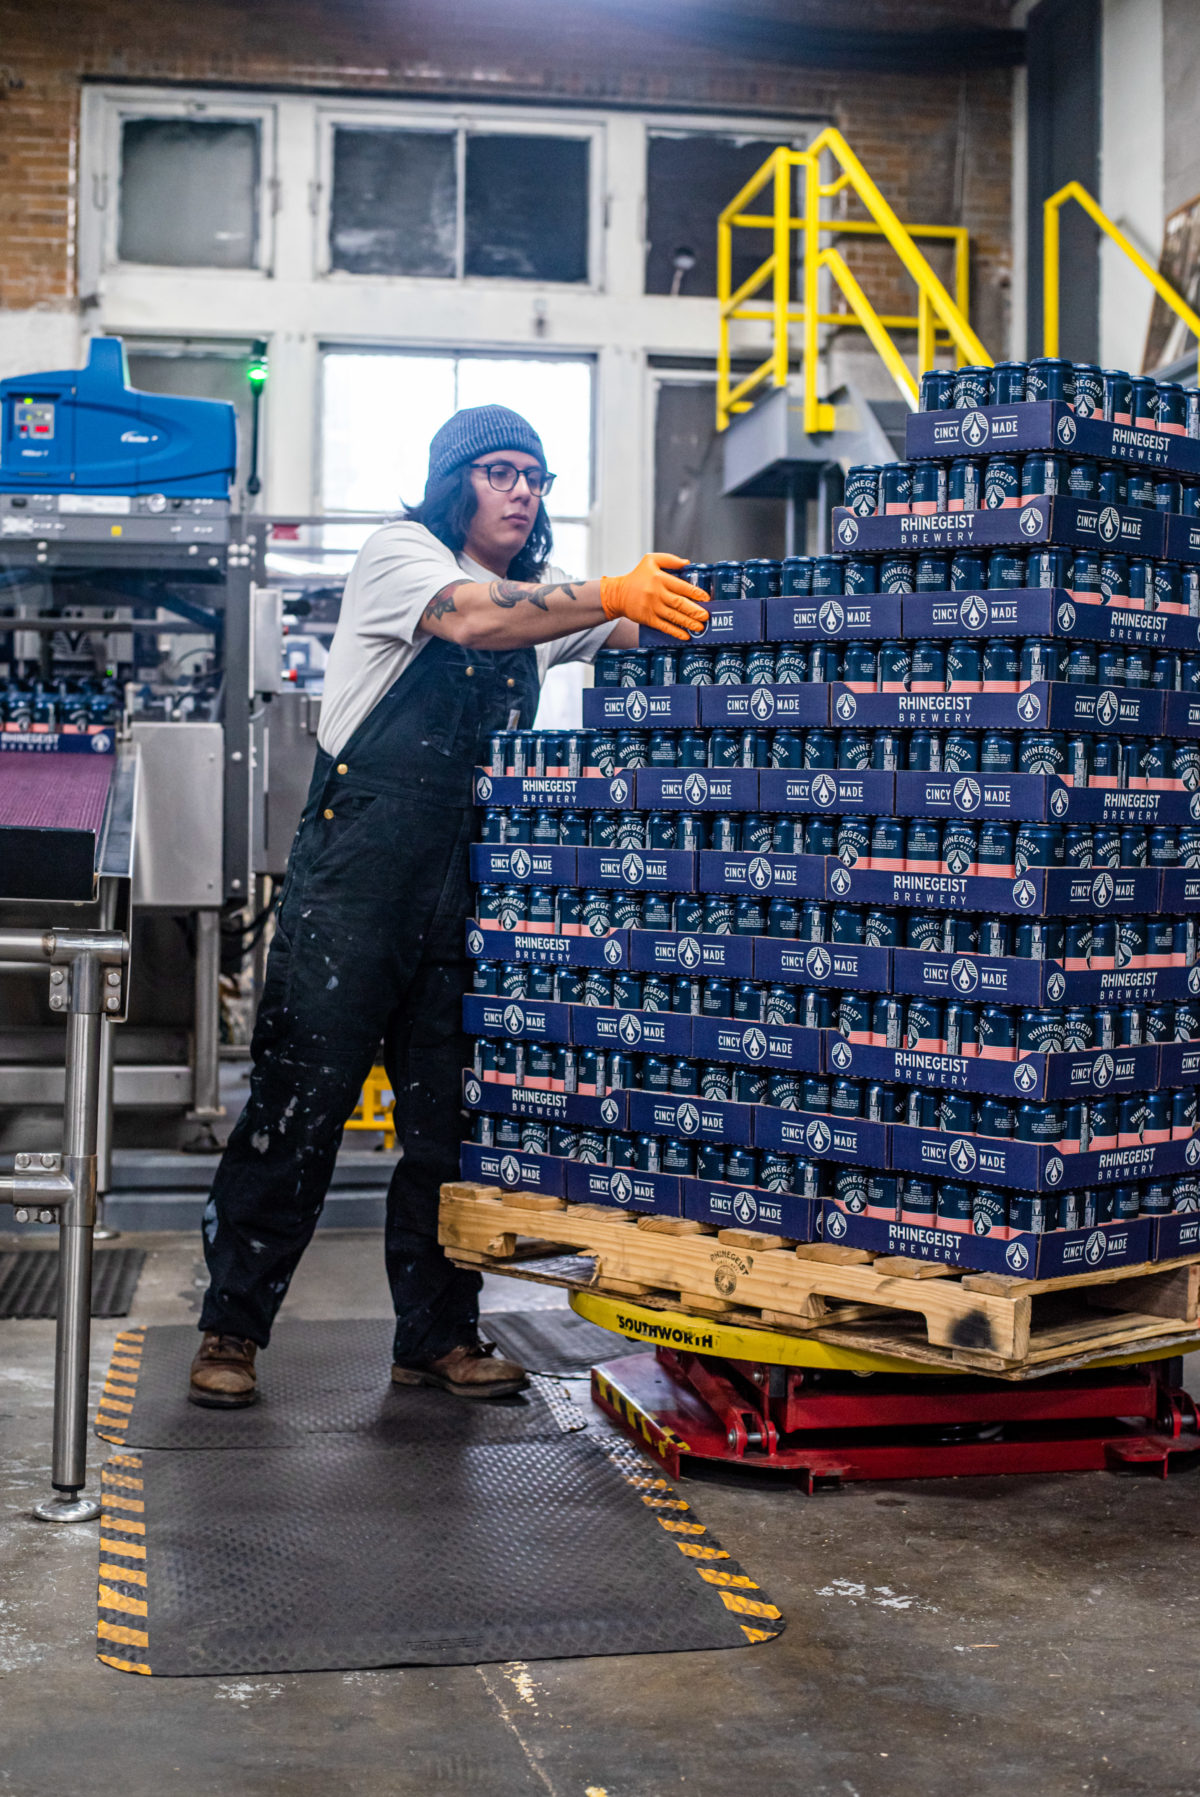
pixel 369 948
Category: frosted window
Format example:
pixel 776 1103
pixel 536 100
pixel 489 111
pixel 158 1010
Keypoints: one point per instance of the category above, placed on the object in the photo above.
pixel 394 202
pixel 189 193
pixel 527 207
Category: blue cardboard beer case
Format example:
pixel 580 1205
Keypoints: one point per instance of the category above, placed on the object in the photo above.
pixel 1040 705
pixel 638 870
pixel 1081 524
pixel 588 793
pixel 1091 1073
pixel 1019 1254
pixel 522 864
pixel 832 792
pixel 515 1171
pixel 697 789
pixel 537 947
pixel 700 956
pixel 1008 980
pixel 1037 798
pixel 640 707
pixel 765 707
pixel 580 1110
pixel 637 1032
pixel 786 1045
pixel 816 1136
pixel 841 618
pixel 1038 892
pixel 1045 424
pixel 763 876
pixel 729 621
pixel 521 1018
pixel 844 966
pixel 625 1188
pixel 1044 611
pixel 750 1207
pixel 691 1119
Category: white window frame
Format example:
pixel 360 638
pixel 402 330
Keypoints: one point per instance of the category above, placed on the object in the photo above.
pixel 100 219
pixel 461 122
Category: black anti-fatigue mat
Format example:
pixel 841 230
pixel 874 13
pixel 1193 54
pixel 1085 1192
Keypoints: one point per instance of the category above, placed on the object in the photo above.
pixel 29 1282
pixel 342 1555
pixel 315 1379
pixel 553 1341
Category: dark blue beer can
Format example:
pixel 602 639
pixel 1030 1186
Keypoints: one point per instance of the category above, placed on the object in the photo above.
pixel 996 936
pixel 997 749
pixel 964 486
pixel 1001 482
pixel 729 665
pixel 972 387
pixel 1005 570
pixel 862 489
pixel 928 488
pixel 796 576
pixel 1048 568
pixel 860 575
pixel 827 577
pixel 695 667
pixel 1089 390
pixel 897 574
pixel 895 666
pixel 1008 383
pixel 760 665
pixel 1049 378
pixel 937 390
pixel 1043 473
pixel 1083 478
pixel 933 572
pixel 895 489
pixel 1118 396
pixel 968 571
pixel 960 749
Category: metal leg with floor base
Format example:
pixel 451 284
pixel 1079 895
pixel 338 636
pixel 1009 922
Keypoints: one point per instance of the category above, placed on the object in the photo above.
pixel 86 979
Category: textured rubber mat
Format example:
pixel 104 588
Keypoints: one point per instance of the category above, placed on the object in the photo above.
pixel 315 1379
pixel 29 1282
pixel 344 1555
pixel 553 1341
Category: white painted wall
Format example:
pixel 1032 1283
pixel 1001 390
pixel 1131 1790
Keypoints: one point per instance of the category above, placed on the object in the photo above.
pixel 1131 170
pixel 38 338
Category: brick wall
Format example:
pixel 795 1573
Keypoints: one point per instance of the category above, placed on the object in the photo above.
pixel 937 144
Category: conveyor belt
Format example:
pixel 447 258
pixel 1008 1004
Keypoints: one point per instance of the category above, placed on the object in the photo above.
pixel 52 812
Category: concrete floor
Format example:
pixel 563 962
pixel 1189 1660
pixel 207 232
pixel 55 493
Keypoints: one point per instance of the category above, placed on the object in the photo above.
pixel 1034 1636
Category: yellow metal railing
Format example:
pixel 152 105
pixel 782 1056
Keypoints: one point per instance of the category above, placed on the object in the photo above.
pixel 373 1111
pixel 1050 265
pixel 937 316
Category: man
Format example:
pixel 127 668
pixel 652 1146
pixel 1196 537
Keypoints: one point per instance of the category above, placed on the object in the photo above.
pixel 449 621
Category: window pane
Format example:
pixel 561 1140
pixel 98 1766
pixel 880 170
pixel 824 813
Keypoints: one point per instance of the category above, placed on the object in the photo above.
pixel 527 207
pixel 380 412
pixel 690 178
pixel 393 205
pixel 570 551
pixel 556 397
pixel 189 193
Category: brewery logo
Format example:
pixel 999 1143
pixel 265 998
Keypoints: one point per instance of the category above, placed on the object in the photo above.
pixel 514 1019
pixel 1066 615
pixel 973 613
pixel 1109 524
pixel 1097 1244
pixel 1017 1256
pixel 847 530
pixel 745 1207
pixel 847 706
pixel 842 1055
pixel 519 864
pixel 687 952
pixel 962 1156
pixel 1054 1171
pixel 633 869
pixel 1032 521
pixel 817 962
pixel 835 1225
pixel 687 1119
pixel 1067 430
pixel 472 1091
pixel 824 790
pixel 1056 987
pixel 610 1111
pixel 974 428
pixel 964 975
pixel 612 952
pixel 967 794
pixel 510 1170
pixel 817 1137
pixel 636 706
pixel 1029 708
pixel 695 789
pixel 1107 707
pixel 758 873
pixel 630 1028
pixel 102 743
pixel 1059 801
pixel 475 942
pixel 831 618
pixel 620 1187
pixel 1024 893
pixel 483 789
pixel 1103 1071
pixel 762 703
pixel 839 881
pixel 1102 891
pixel 754 1044
pixel 1194 806
pixel 618 791
pixel 1025 1077
pixel 1191 1153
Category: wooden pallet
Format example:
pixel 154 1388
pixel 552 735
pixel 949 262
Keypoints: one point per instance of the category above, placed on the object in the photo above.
pixel 916 1310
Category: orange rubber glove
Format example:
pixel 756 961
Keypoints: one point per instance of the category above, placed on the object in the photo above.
pixel 652 596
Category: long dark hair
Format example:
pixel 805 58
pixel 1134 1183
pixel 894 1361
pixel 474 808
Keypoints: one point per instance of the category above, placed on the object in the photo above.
pixel 448 508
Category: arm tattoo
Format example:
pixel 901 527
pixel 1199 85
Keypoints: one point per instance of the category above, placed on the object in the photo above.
pixel 443 602
pixel 508 593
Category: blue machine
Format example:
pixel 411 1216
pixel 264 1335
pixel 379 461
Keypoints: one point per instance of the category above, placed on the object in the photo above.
pixel 86 430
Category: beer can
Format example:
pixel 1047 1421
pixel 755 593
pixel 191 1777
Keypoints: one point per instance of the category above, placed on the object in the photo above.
pixel 783 918
pixel 1139 489
pixel 815 1010
pixel 897 574
pixel 787 836
pixel 1118 396
pixel 1158 1023
pixel 996 853
pixel 716 1081
pixel 1163 847
pixel 924 746
pixel 791 667
pixel 631 830
pixel 887 845
pixel 820 749
pixel 1191 398
pixel 853 1019
pixel 1039 1121
pixel 962 1028
pixel 716 998
pixel 1130 1114
pixel 1040 660
pixel 483 1130
pixel 997 748
pixel 955 1203
pixel 1001 482
pixel 741 1166
pixel 964 484
pixel 493 825
pixel 968 571
pixel 1083 478
pixel 511 908
pixel 889 1022
pixel 780 1004
pixel 820 836
pixel 661 749
pixel 1183 1112
pixel 632 748
pixel 860 575
pixel 1167 493
pixel 1000 672
pixel 997 1038
pixel 1081 665
pixel 607 667
pixel 540 912
pixel 996 935
pixel 796 576
pixel 960 932
pixel 1038 845
pixel 1038 939
pixel 1077 845
pixel 997 1117
pixel 854 749
pixel 895 666
pixel 695 667
pixel 1160 941
pixel 933 572
pixel 862 489
pixel 918 1199
pixel 1144 401
pixel 814 921
pixel 888 750
pixel 895 489
pixel 853 841
pixel 749 919
pixel 724 747
pixel 1040 1031
pixel 754 748
pixel 710 1160
pixel 597 911
pixel 964 667
pixel 824 661
pixel 749 1085
pixel 881 929
pixel 761 578
pixel 691 830
pixel 1008 380
pixel 518 825
pixel 727 581
pixel 760 665
pixel 960 748
pixel 1049 378
pixel 1005 570
pixel 1048 567
pixel 597 989
pixel 1043 473
pixel 928 493
pixel 1042 752
pixel 925 1027
pixel 656 1071
pixel 827 577
pixel 1135 846
pixel 1089 390
pixel 937 390
pixel 972 387
pixel 923 930
pixel 846 924
pixel 960 845
pixel 718 914
pixel 1166 670
pixel 729 665
pixel 688 912
pixel 700 575
pixel 1031 1213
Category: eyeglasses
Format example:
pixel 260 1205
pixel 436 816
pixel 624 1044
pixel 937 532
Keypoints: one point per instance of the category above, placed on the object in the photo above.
pixel 504 477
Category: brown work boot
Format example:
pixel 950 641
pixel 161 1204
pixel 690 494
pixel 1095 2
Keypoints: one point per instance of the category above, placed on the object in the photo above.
pixel 223 1373
pixel 469 1372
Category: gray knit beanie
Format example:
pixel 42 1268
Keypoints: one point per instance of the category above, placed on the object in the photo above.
pixel 477 431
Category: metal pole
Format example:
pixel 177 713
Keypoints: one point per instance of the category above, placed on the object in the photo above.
pixel 103 1232
pixel 76 1218
pixel 206 1040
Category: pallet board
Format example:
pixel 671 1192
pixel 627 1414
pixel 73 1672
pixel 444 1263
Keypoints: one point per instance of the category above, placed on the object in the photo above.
pixel 911 1309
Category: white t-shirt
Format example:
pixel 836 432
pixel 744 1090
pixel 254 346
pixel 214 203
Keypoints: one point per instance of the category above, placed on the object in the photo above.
pixel 398 570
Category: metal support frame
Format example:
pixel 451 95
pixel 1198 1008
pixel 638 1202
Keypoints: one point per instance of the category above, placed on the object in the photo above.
pixel 87 972
pixel 938 318
pixel 206 1036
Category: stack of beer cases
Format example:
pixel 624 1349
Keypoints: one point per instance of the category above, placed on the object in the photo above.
pixel 871 914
